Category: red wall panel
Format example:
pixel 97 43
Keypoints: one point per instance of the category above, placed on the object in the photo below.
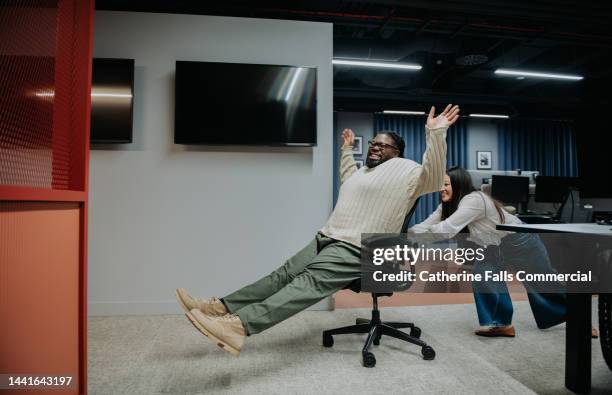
pixel 39 289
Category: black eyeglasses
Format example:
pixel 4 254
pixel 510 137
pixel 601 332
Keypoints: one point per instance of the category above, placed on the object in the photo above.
pixel 380 146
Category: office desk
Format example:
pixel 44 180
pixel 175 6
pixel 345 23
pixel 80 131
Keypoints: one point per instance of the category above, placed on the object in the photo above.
pixel 586 229
pixel 578 324
pixel 536 218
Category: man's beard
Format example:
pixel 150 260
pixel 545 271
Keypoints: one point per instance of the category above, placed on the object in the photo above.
pixel 371 163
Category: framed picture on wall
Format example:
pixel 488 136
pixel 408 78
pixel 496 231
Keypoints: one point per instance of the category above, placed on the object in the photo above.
pixel 359 163
pixel 358 146
pixel 483 160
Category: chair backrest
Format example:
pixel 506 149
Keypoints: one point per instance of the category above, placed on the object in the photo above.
pixel 355 285
pixel 409 216
pixel 571 211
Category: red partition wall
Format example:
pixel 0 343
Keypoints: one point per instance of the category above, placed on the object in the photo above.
pixel 45 83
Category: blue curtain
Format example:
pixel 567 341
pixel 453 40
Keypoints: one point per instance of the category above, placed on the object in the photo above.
pixel 546 146
pixel 412 129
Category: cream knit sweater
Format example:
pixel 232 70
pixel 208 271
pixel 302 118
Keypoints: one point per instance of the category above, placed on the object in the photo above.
pixel 377 200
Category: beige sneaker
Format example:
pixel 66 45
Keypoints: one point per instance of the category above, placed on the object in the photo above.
pixel 212 306
pixel 227 331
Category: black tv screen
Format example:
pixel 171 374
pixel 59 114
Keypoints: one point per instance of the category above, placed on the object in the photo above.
pixel 112 96
pixel 245 104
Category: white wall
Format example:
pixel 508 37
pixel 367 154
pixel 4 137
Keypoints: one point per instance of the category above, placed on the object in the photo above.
pixel 208 219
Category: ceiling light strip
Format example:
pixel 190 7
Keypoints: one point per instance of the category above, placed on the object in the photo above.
pixel 523 73
pixel 361 63
pixel 404 112
pixel 489 116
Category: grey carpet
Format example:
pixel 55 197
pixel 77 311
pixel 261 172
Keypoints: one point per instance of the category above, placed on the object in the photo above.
pixel 166 355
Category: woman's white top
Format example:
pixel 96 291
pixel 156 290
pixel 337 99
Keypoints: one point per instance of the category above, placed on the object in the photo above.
pixel 476 211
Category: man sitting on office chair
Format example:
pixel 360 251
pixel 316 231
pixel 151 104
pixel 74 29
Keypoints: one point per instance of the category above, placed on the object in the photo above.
pixel 373 199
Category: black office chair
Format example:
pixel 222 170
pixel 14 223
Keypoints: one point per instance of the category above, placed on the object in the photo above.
pixel 375 328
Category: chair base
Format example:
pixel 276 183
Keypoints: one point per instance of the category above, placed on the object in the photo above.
pixel 375 329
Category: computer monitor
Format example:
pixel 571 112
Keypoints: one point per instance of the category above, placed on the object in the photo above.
pixel 510 189
pixel 593 153
pixel 480 177
pixel 552 189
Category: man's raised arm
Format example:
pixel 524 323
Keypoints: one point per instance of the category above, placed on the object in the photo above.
pixel 433 167
pixel 347 162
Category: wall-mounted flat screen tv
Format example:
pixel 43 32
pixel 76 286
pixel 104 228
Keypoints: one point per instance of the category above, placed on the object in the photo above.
pixel 112 97
pixel 245 104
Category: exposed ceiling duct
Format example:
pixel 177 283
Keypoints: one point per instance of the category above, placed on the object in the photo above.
pixel 393 50
pixel 458 44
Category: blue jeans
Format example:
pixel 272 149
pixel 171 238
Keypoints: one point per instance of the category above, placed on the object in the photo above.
pixel 521 251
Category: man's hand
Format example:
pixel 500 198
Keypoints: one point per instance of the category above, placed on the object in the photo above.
pixel 349 138
pixel 444 120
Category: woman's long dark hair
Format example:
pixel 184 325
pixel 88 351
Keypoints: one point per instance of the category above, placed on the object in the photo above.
pixel 461 182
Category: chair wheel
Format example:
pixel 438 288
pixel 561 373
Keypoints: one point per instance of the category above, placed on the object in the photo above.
pixel 428 353
pixel 369 361
pixel 328 341
pixel 415 332
pixel 376 340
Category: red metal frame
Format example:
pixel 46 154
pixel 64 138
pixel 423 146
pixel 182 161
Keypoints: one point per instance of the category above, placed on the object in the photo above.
pixel 70 144
pixel 40 194
pixel 85 13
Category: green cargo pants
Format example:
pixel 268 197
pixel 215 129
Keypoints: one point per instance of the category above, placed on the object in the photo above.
pixel 320 269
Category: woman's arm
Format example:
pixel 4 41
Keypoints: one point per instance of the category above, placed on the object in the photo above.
pixel 470 209
pixel 433 219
